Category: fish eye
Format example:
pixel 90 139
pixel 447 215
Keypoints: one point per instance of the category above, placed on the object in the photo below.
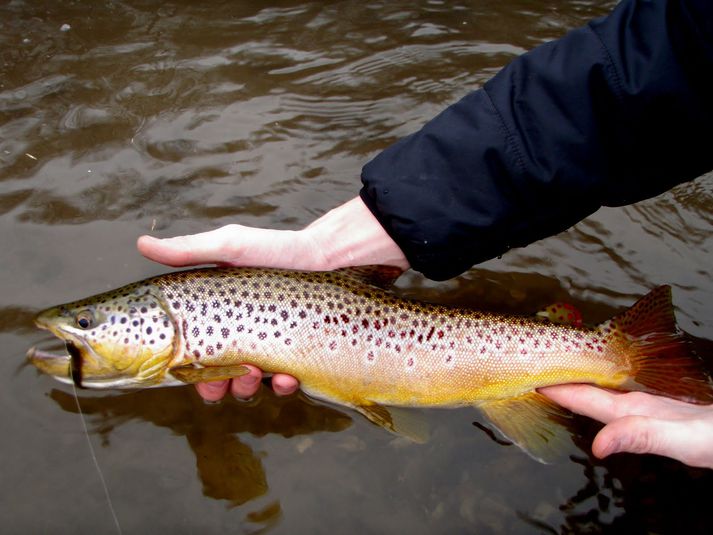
pixel 84 319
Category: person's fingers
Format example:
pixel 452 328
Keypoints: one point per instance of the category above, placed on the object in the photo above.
pixel 685 440
pixel 584 399
pixel 246 386
pixel 203 248
pixel 235 245
pixel 213 391
pixel 284 385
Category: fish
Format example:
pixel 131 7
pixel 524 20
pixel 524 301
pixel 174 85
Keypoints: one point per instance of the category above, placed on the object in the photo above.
pixel 350 340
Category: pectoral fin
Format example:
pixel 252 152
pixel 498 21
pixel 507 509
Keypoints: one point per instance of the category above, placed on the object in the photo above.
pixel 192 374
pixel 533 422
pixel 404 422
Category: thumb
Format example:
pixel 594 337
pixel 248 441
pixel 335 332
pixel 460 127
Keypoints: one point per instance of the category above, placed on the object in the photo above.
pixel 642 434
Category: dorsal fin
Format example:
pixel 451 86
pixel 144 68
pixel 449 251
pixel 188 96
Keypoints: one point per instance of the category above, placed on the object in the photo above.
pixel 377 275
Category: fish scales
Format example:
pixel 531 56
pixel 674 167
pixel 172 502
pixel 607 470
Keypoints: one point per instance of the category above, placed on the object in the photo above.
pixel 349 341
pixel 336 335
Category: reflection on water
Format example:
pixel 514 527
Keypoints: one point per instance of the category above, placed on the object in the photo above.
pixel 229 469
pixel 120 118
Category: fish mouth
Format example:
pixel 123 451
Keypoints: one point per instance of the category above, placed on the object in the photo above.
pixel 59 365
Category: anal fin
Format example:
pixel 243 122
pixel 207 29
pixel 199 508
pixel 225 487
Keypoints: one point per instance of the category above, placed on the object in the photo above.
pixel 534 423
pixel 193 374
pixel 400 421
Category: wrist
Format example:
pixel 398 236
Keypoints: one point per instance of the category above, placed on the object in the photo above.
pixel 350 235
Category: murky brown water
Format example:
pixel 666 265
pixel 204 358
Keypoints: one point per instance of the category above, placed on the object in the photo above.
pixel 121 117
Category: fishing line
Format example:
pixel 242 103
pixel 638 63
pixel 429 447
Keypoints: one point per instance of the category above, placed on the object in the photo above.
pixel 96 462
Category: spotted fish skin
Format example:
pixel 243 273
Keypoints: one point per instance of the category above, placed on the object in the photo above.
pixel 349 341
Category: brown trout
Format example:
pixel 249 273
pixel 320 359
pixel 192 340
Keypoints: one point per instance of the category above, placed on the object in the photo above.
pixel 352 342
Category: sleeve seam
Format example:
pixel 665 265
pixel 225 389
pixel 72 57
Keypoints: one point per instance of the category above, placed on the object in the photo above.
pixel 614 76
pixel 509 136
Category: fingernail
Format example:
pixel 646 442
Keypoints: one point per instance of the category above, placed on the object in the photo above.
pixel 244 400
pixel 248 380
pixel 281 391
pixel 211 401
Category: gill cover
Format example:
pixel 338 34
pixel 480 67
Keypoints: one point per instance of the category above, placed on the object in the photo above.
pixel 121 338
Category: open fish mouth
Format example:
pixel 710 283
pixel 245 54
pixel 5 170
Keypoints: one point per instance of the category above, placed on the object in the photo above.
pixel 64 365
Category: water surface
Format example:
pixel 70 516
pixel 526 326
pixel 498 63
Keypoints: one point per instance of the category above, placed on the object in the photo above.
pixel 121 118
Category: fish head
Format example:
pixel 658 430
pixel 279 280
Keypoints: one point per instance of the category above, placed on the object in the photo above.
pixel 119 339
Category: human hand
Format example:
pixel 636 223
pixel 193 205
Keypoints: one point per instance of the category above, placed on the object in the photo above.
pixel 246 386
pixel 637 422
pixel 347 236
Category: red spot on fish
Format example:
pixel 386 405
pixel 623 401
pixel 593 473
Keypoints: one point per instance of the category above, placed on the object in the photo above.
pixel 430 333
pixel 409 362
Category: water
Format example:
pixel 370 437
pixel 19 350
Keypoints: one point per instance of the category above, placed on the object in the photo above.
pixel 119 118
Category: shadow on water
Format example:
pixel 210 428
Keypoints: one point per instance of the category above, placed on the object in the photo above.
pixel 228 468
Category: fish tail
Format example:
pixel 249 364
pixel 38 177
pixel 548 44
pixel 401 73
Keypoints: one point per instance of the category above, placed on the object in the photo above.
pixel 661 357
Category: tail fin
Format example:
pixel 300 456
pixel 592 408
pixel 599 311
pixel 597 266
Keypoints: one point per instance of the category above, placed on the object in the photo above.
pixel 663 361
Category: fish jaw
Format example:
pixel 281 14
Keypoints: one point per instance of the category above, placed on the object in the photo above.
pixel 56 365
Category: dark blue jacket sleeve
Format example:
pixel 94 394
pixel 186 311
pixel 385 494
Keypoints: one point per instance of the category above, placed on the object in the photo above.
pixel 612 113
